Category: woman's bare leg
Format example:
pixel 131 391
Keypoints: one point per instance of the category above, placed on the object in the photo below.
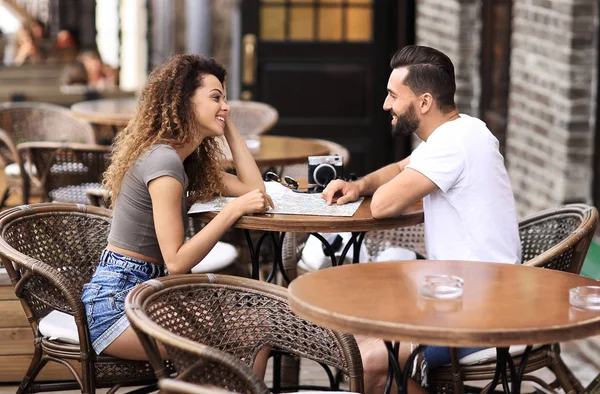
pixel 260 362
pixel 128 346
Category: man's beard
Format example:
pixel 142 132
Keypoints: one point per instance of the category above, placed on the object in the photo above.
pixel 406 123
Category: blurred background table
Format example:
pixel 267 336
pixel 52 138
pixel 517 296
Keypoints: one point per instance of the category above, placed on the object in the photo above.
pixel 114 112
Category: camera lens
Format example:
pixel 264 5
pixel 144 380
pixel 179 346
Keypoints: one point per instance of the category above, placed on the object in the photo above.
pixel 324 173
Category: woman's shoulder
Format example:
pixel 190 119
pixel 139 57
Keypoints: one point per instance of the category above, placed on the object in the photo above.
pixel 159 157
pixel 160 152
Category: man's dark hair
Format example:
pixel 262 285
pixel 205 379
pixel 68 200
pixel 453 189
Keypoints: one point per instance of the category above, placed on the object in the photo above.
pixel 429 71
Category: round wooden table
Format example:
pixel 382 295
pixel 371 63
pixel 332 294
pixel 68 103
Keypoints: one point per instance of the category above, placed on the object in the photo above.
pixel 114 112
pixel 501 305
pixel 280 151
pixel 277 225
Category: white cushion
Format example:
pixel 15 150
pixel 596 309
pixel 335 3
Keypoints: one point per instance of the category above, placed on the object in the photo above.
pixel 59 326
pixel 314 258
pixel 487 355
pixel 396 253
pixel 220 257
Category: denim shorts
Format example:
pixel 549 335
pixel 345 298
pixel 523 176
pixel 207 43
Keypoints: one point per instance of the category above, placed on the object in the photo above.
pixel 436 356
pixel 104 296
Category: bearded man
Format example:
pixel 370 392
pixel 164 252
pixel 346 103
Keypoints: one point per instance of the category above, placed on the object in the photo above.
pixel 457 171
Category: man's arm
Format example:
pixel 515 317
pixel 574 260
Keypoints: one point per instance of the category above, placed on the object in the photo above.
pixel 342 192
pixel 392 198
pixel 368 185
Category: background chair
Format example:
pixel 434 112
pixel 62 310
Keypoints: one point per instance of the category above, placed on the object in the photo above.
pixel 66 171
pixel 234 316
pixel 555 239
pixel 27 121
pixel 50 251
pixel 252 118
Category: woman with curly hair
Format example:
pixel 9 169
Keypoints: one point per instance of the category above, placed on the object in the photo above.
pixel 166 158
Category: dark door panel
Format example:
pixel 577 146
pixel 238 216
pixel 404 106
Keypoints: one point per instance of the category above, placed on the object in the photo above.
pixel 316 88
pixel 324 66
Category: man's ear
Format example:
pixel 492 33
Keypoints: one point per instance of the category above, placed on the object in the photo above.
pixel 426 103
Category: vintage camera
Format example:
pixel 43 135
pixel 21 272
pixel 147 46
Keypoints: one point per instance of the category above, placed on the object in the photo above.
pixel 324 169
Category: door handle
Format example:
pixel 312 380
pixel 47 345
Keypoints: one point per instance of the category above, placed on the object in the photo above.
pixel 249 59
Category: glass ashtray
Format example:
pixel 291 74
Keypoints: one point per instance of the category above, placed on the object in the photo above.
pixel 441 287
pixel 585 297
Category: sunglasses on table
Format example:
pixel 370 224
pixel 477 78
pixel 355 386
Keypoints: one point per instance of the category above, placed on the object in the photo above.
pixel 291 183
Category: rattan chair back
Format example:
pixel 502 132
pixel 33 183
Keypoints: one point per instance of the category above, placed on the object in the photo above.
pixel 50 251
pixel 252 117
pixel 66 170
pixel 234 316
pixel 556 239
pixel 27 121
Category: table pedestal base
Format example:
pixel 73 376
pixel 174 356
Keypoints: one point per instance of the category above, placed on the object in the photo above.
pixel 504 365
pixel 277 239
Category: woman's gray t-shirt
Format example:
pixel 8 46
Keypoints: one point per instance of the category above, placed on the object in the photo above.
pixel 133 223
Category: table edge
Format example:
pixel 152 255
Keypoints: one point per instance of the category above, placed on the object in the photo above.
pixel 440 337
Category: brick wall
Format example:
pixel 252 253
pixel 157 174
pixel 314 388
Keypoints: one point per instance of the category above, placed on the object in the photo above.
pixel 551 106
pixel 454 27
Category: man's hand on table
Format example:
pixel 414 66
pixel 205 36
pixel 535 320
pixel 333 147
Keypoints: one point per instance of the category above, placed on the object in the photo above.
pixel 340 192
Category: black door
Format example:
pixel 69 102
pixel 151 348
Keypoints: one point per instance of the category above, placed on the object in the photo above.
pixel 324 65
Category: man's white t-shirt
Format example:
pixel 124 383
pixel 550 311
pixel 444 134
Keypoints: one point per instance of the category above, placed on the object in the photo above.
pixel 472 215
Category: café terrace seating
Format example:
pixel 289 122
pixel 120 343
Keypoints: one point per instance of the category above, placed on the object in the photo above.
pixel 213 326
pixel 50 250
pixel 28 121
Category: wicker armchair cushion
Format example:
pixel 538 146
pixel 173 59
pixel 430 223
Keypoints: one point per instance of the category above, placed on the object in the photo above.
pixel 13 170
pixel 487 355
pixel 59 326
pixel 395 254
pixel 313 257
pixel 220 257
pixel 75 194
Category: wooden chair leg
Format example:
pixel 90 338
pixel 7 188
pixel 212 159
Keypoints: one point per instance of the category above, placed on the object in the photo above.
pixel 5 196
pixel 565 378
pixel 36 365
pixel 457 375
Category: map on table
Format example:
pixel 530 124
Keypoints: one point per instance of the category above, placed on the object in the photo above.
pixel 287 202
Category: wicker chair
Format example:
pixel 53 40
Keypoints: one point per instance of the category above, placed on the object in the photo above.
pixel 252 118
pixel 66 171
pixel 554 239
pixel 27 121
pixel 50 251
pixel 213 326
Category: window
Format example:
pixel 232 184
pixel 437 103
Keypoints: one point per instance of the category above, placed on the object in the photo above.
pixel 316 20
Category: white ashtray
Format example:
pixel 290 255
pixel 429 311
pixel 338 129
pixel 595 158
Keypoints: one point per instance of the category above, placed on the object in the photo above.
pixel 585 297
pixel 441 286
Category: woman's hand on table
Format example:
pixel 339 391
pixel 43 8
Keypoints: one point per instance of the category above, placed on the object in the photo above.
pixel 255 201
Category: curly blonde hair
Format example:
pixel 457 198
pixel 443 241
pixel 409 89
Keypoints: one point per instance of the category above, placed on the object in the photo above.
pixel 165 115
